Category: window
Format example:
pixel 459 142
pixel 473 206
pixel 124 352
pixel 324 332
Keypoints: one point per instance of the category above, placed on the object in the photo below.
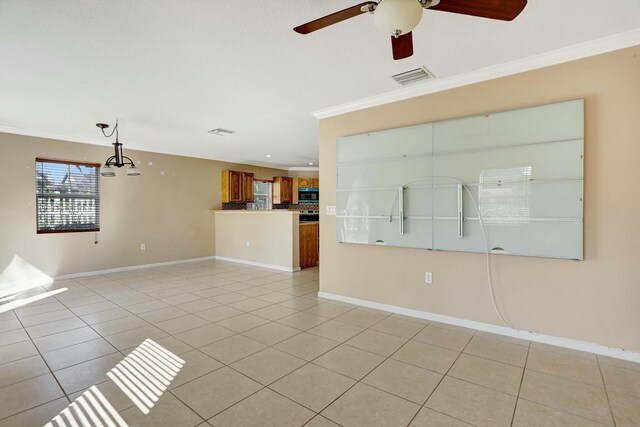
pixel 261 194
pixel 67 196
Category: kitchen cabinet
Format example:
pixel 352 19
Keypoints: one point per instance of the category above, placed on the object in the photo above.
pixel 309 246
pixel 282 190
pixel 296 187
pixel 308 183
pixel 247 187
pixel 304 183
pixel 237 187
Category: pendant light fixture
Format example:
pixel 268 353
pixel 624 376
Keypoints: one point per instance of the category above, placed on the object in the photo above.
pixel 118 160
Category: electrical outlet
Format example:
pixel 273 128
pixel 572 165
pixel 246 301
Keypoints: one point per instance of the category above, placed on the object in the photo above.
pixel 331 211
pixel 428 277
pixel 143 246
pixel 248 243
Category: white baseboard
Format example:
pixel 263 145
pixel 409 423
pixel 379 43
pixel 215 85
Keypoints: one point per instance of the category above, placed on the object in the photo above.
pixel 181 261
pixel 258 264
pixel 132 267
pixel 499 330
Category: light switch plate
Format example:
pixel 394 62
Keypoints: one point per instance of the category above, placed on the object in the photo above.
pixel 331 211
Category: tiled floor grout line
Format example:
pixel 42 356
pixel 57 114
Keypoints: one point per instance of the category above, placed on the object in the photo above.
pixel 192 281
pixel 442 379
pixel 328 319
pixel 566 412
pixel 105 337
pixel 518 396
pixel 311 362
pixel 170 391
pixel 365 375
pixel 229 365
pixel 378 365
pixel 37 406
pixel 138 314
pixel 50 372
pixel 169 335
pixel 524 370
pixel 606 391
pixel 245 375
pixel 274 381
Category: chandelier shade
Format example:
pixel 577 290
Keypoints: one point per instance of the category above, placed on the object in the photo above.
pixel 118 160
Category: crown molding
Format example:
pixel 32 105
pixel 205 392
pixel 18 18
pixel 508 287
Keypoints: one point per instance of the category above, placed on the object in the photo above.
pixel 567 54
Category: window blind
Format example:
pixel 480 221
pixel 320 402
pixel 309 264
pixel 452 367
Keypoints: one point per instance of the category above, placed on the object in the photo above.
pixel 67 196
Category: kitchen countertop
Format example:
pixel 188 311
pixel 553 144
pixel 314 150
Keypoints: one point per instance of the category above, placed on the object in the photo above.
pixel 308 223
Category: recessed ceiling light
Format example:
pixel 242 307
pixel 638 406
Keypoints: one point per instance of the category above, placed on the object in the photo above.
pixel 310 163
pixel 269 155
pixel 220 132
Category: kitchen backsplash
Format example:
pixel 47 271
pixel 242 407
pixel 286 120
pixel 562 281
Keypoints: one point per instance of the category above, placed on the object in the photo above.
pixel 234 206
pixel 306 206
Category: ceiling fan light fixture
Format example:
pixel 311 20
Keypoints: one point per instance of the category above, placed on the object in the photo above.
pixel 397 17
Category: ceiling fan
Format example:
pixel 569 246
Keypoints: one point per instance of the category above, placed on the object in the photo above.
pixel 399 17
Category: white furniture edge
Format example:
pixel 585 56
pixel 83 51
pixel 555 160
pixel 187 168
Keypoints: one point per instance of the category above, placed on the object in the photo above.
pixel 258 264
pixel 567 54
pixel 486 327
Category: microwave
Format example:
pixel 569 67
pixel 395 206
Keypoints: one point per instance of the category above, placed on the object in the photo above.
pixel 308 195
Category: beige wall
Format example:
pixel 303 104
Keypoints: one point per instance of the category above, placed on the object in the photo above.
pixel 167 208
pixel 595 300
pixel 273 237
pixel 304 174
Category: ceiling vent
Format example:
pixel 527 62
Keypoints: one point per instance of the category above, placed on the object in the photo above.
pixel 413 76
pixel 220 132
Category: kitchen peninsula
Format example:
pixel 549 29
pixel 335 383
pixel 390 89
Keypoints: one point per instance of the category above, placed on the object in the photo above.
pixel 265 224
pixel 264 238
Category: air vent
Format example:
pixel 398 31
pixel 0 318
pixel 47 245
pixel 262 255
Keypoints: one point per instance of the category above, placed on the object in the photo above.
pixel 220 132
pixel 413 76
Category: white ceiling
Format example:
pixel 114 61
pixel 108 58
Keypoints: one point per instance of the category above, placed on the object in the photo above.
pixel 173 69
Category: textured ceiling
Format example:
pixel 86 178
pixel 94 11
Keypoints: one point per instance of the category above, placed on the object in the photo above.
pixel 171 70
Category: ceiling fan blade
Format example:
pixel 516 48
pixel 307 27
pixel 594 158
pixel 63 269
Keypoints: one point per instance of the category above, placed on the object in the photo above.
pixel 334 18
pixel 402 46
pixel 504 10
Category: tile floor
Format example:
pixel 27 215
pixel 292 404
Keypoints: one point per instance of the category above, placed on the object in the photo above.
pixel 261 349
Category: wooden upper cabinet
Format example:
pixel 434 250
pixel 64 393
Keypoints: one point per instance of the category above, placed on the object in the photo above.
pixel 304 182
pixel 247 187
pixel 296 186
pixel 237 187
pixel 282 190
pixel 308 183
